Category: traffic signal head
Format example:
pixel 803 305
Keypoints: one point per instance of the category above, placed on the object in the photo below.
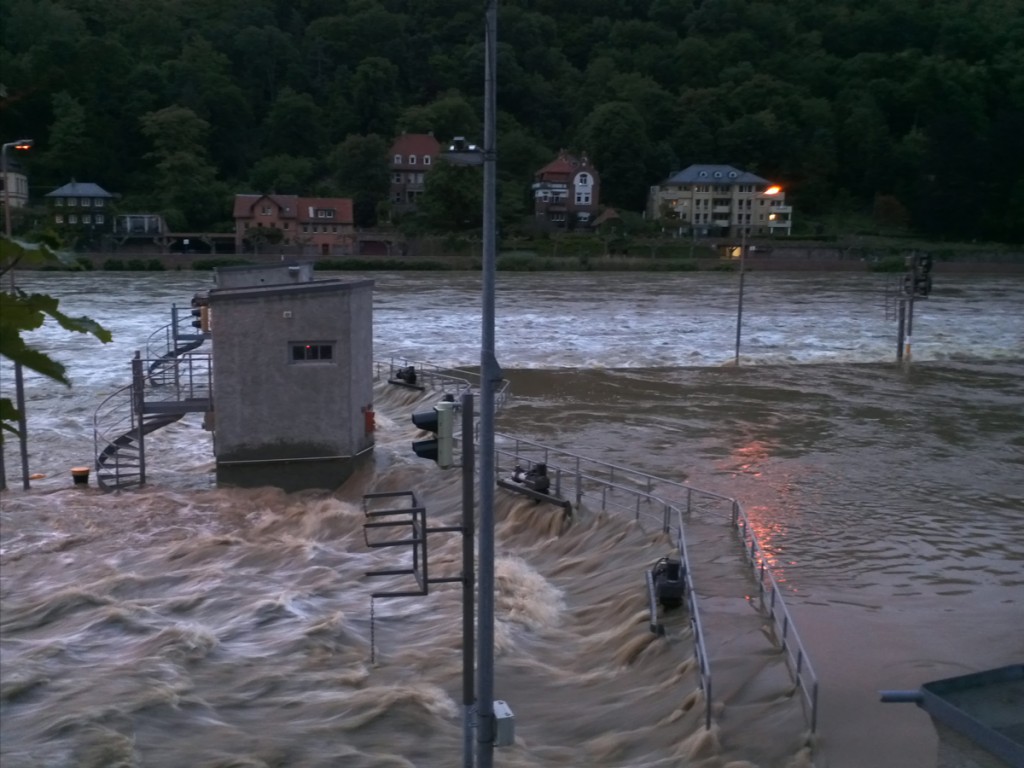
pixel 202 321
pixel 923 275
pixel 440 421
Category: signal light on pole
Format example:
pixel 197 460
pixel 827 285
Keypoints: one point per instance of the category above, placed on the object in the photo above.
pixel 923 275
pixel 203 318
pixel 440 420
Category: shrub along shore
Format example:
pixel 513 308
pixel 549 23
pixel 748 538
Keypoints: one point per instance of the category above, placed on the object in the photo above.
pixel 588 255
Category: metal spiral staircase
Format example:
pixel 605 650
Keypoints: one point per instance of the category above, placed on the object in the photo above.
pixel 170 381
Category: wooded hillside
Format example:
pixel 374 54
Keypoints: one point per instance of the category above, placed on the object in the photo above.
pixel 913 108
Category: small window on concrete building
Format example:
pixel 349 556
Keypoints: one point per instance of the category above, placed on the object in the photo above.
pixel 308 352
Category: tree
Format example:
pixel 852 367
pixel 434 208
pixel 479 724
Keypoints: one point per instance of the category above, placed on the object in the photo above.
pixel 282 174
pixel 21 313
pixel 375 95
pixel 294 125
pixel 615 137
pixel 69 147
pixel 185 179
pixel 452 198
pixel 358 169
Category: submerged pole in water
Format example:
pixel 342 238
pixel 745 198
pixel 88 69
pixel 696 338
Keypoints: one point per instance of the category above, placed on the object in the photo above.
pixel 468 582
pixel 739 308
pixel 490 374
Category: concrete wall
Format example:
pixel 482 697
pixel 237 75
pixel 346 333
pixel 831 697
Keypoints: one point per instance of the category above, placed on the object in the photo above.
pixel 277 421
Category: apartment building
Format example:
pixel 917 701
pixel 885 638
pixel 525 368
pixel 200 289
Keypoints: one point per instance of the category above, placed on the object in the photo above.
pixel 411 158
pixel 720 201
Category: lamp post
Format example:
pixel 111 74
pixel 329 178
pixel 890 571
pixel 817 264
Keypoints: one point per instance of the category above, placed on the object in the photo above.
pixel 490 375
pixel 774 189
pixel 19 379
pixel 739 307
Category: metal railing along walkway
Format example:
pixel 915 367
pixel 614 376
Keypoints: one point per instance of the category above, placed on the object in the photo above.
pixel 668 505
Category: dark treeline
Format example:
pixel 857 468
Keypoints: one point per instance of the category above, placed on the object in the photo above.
pixel 911 108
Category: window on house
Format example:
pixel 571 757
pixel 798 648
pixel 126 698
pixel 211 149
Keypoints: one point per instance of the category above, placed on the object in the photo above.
pixel 266 210
pixel 98 218
pixel 98 202
pixel 72 201
pixel 286 225
pixel 334 228
pixel 412 159
pixel 58 219
pixel 398 159
pixel 396 178
pixel 86 219
pixel 330 214
pixel 58 201
pixel 426 159
pixel 584 179
pixel 312 351
pixel 72 219
pixel 305 227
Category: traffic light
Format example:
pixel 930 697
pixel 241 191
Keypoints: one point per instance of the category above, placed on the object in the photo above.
pixel 202 321
pixel 923 275
pixel 440 421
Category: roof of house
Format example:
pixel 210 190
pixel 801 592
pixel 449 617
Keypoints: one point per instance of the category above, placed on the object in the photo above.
pixel 416 144
pixel 245 203
pixel 79 189
pixel 563 166
pixel 714 174
pixel 295 207
pixel 608 214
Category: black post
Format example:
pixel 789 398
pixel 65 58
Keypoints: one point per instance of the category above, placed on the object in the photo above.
pixel 468 582
pixel 901 328
pixel 19 394
pixel 138 403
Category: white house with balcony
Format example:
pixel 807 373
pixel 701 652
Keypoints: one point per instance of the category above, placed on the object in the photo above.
pixel 720 201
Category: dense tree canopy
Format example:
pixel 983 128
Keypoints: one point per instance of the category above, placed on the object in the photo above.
pixel 914 106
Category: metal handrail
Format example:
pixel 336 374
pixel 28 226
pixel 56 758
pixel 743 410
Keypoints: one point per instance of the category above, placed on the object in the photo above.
pixel 652 498
pixel 449 380
pixel 774 604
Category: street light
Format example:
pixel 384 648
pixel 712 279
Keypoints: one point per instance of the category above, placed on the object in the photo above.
pixel 19 379
pixel 22 145
pixel 774 189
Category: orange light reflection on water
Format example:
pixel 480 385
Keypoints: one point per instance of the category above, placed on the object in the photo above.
pixel 768 519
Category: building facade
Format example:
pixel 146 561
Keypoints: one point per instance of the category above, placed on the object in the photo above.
pixel 312 226
pixel 82 212
pixel 411 158
pixel 566 193
pixel 15 185
pixel 720 201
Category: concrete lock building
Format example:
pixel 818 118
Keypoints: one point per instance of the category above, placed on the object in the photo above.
pixel 292 376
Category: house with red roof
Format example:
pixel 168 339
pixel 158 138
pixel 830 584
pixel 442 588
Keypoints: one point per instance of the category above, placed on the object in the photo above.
pixel 306 226
pixel 411 158
pixel 566 193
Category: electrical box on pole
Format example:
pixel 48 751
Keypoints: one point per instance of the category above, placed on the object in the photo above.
pixel 440 421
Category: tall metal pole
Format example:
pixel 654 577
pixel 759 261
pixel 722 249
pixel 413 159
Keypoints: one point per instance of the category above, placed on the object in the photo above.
pixel 468 582
pixel 490 374
pixel 19 379
pixel 739 308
